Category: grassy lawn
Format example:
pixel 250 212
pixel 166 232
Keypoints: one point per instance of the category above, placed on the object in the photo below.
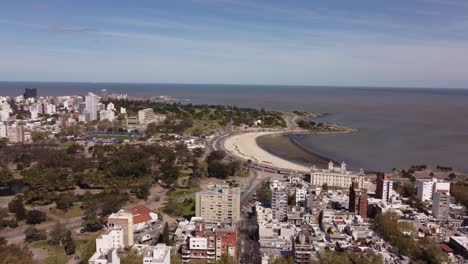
pixel 56 253
pixel 181 192
pixel 75 211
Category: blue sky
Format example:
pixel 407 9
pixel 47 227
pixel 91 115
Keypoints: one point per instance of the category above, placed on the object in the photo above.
pixel 409 43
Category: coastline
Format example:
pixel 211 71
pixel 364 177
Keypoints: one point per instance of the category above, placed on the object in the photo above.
pixel 278 149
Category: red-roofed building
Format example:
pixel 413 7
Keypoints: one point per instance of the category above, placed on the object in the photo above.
pixel 143 217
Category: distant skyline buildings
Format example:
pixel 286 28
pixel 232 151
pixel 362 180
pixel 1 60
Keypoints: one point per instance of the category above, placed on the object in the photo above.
pixel 91 101
pixel 399 43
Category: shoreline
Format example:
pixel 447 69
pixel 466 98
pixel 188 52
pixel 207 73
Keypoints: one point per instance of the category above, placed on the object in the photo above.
pixel 278 149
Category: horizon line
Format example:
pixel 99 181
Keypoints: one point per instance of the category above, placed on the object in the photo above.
pixel 244 84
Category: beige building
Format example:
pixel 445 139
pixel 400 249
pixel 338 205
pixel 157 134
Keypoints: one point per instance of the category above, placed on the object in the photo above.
pixel 218 205
pixel 336 177
pixel 147 116
pixel 122 220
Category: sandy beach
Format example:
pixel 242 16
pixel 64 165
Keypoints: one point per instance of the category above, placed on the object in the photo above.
pixel 245 146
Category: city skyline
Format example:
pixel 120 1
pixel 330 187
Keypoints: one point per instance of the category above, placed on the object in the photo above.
pixel 397 44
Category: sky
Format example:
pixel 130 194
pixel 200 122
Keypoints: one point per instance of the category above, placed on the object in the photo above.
pixel 398 43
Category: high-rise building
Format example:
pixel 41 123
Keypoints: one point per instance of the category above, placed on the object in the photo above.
pixel 358 200
pixel 104 95
pixel 30 93
pixel 278 200
pixel 441 205
pixel 384 189
pixel 91 102
pixel 218 205
pixel 427 187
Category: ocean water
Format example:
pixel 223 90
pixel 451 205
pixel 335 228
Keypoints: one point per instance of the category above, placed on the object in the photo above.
pixel 397 127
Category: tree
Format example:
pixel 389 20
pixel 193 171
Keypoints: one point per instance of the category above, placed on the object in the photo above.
pixel 65 201
pixel 92 223
pixel 5 177
pixel 33 234
pixel 16 206
pixel 14 254
pixel 131 258
pixel 216 155
pixel 69 244
pixel 452 176
pixel 35 217
pixel 87 250
pixel 165 235
pixel 75 148
pixel 325 187
pixel 57 234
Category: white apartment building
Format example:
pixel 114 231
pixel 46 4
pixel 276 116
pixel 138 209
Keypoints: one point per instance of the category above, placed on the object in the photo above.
pixel 441 205
pixel 107 114
pixel 337 177
pixel 106 247
pixel 427 187
pixel 301 194
pixel 159 254
pixel 91 101
pixel 218 205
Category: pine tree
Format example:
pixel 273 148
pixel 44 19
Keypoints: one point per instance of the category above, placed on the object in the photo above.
pixel 166 239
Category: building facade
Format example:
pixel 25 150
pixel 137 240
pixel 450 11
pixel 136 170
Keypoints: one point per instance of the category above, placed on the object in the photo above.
pixel 441 205
pixel 218 205
pixel 91 108
pixel 427 187
pixel 384 189
pixel 335 177
pixel 358 200
pixel 123 220
pixel 278 200
pixel 210 245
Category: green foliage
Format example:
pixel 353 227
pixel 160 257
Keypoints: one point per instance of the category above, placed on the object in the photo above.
pixel 35 217
pixel 5 177
pixel 131 258
pixel 165 235
pixel 14 254
pixel 65 201
pixel 75 148
pixel 176 209
pixel 57 234
pixel 38 136
pixel 16 206
pixel 263 193
pixel 459 190
pixel 424 249
pixel 87 250
pixel 33 234
pixel 218 168
pixel 69 244
pixel 334 257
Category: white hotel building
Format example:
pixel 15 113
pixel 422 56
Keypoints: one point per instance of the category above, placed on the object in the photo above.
pixel 336 177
